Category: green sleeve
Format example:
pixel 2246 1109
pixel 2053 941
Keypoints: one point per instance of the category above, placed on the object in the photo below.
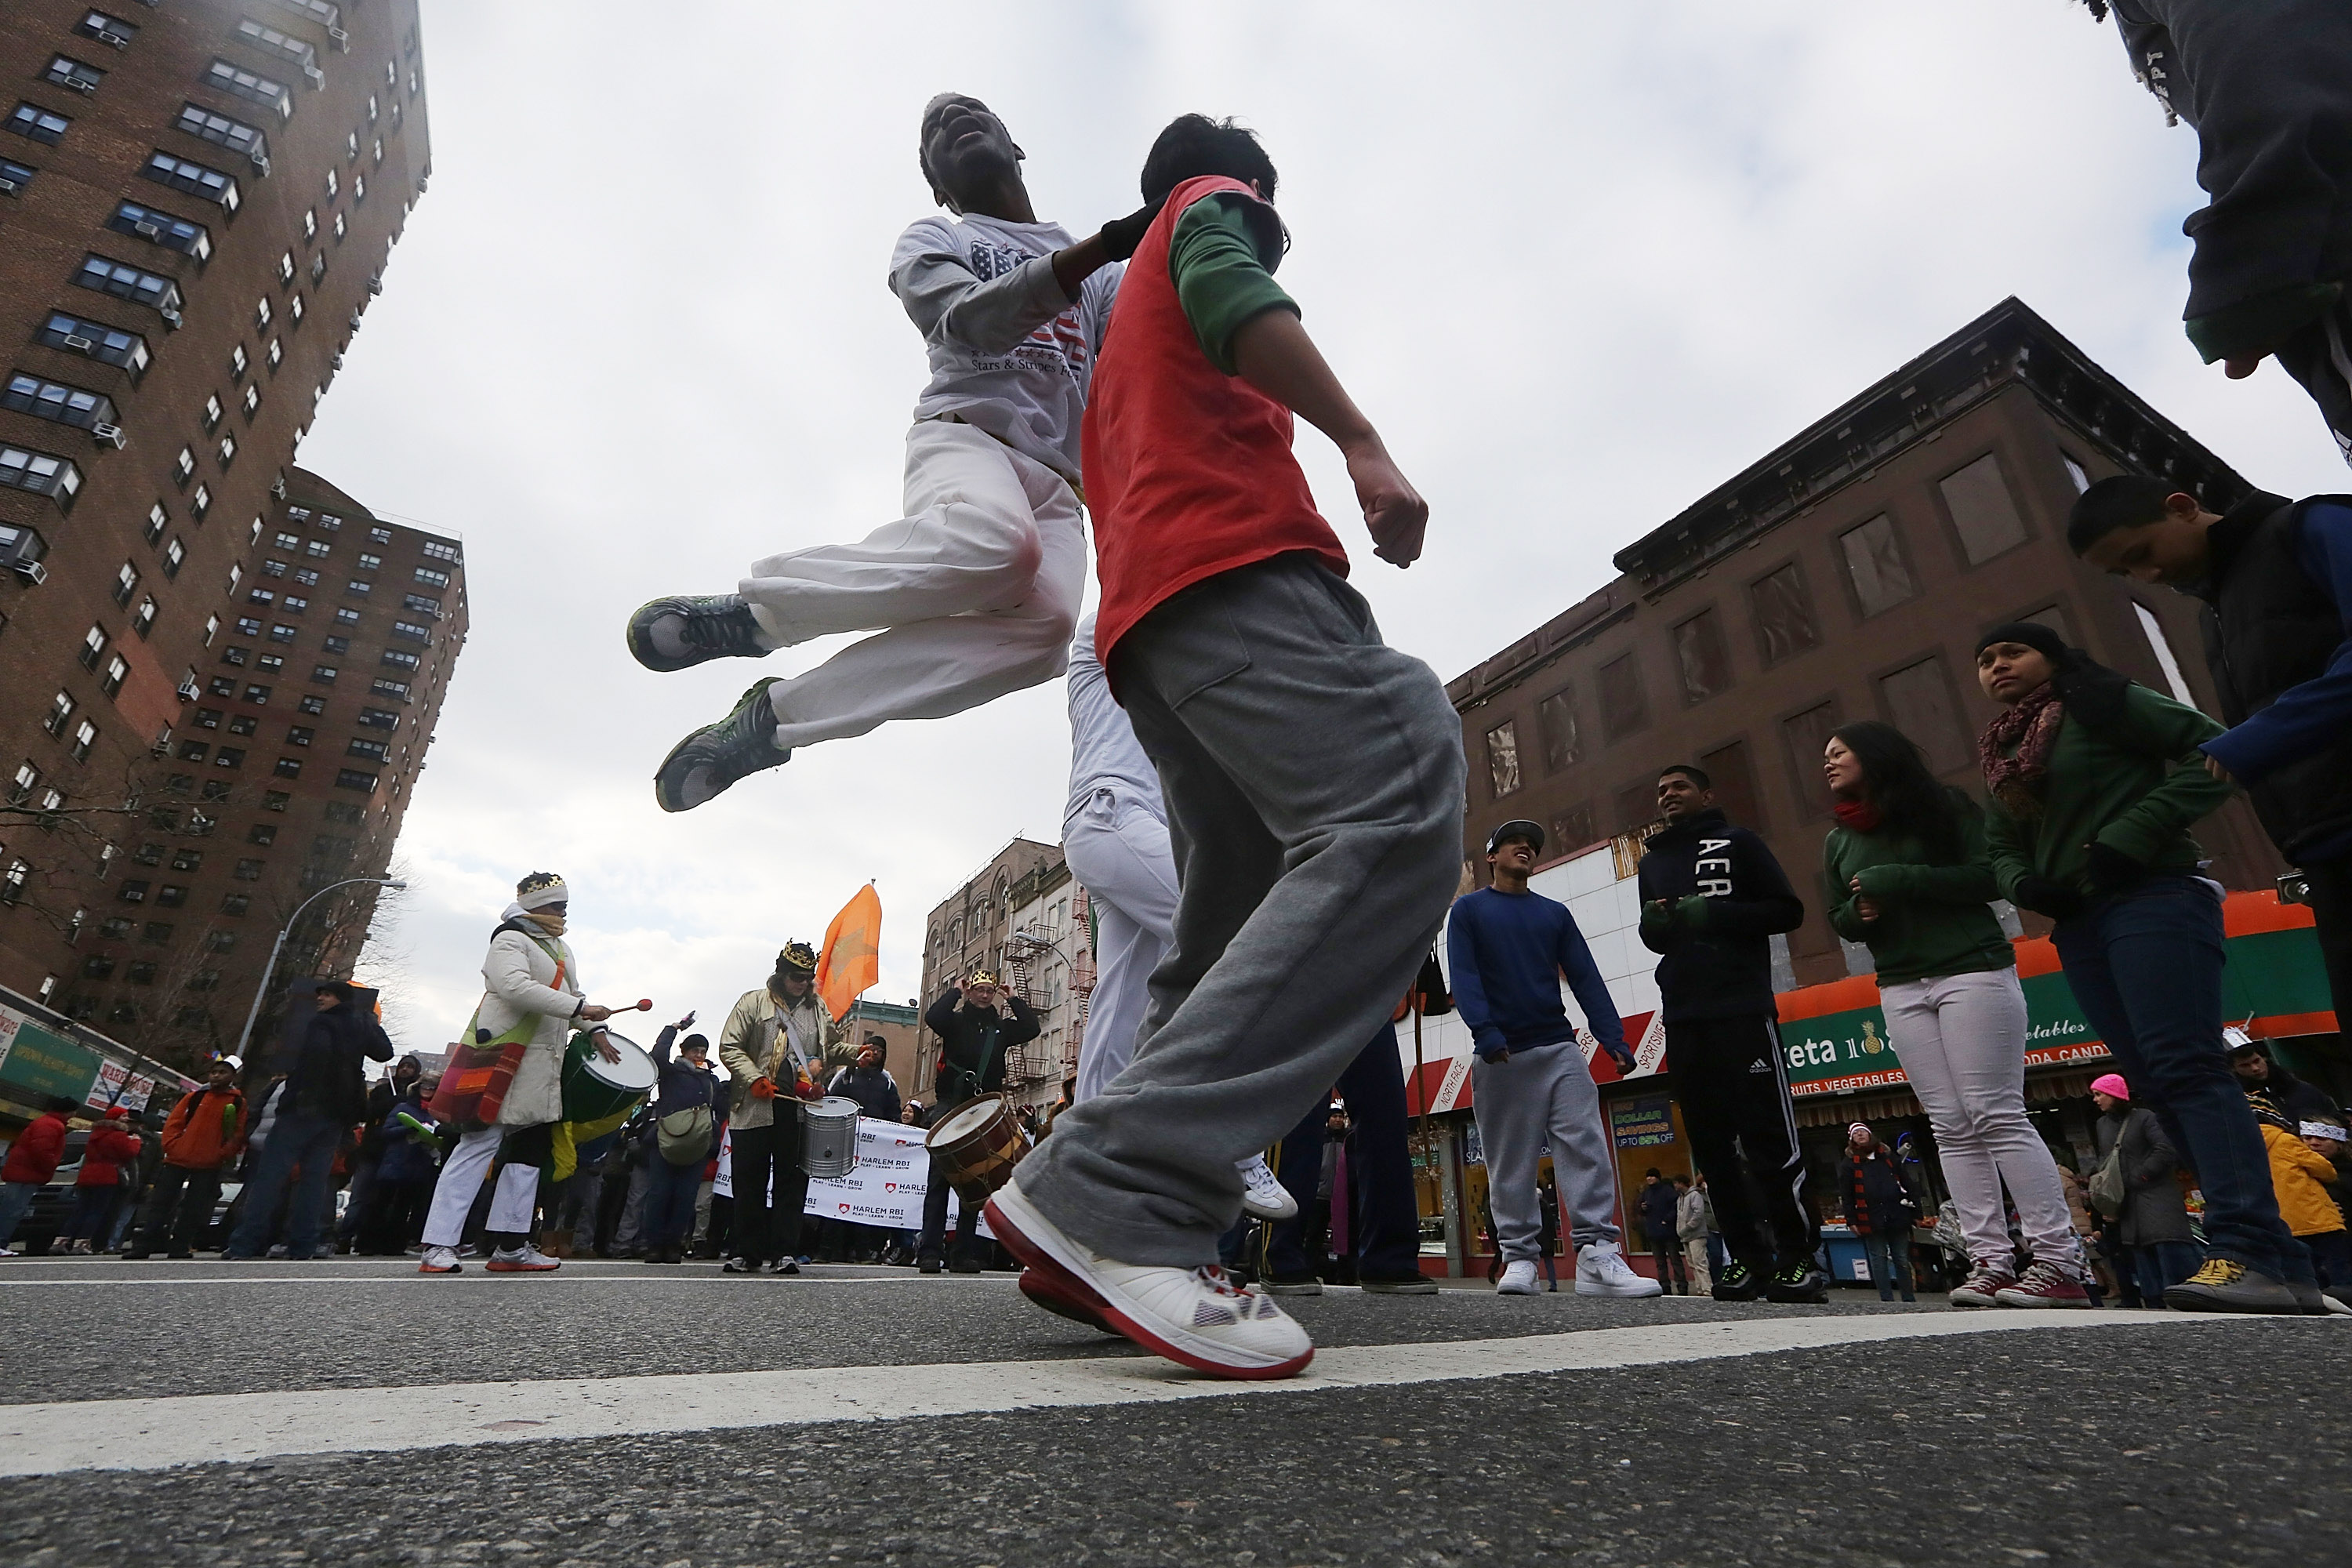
pixel 1221 259
pixel 2162 727
pixel 1969 882
pixel 1836 896
pixel 2008 846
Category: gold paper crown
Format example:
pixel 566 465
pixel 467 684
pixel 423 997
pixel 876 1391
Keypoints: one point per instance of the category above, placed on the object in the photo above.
pixel 980 977
pixel 797 955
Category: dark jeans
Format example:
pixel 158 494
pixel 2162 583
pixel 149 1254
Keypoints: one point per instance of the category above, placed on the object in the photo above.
pixel 360 1196
pixel 93 1212
pixel 1674 1269
pixel 765 1231
pixel 670 1192
pixel 2161 1264
pixel 2145 965
pixel 2331 1254
pixel 299 1140
pixel 933 1243
pixel 1383 1215
pixel 179 1206
pixel 1890 1263
pixel 395 1216
pixel 16 1197
pixel 1732 1084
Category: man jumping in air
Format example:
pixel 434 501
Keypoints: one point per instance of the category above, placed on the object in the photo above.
pixel 975 591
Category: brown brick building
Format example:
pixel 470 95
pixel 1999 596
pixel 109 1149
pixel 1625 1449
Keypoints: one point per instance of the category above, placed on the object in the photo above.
pixel 971 926
pixel 221 672
pixel 1847 575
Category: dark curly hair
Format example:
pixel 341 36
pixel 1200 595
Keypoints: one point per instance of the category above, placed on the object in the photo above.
pixel 1193 145
pixel 1908 796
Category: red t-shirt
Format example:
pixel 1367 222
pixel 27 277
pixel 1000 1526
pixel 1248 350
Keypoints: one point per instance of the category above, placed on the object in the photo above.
pixel 1188 470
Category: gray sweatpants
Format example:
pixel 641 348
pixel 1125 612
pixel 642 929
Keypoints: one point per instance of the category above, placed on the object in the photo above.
pixel 1314 783
pixel 1541 1096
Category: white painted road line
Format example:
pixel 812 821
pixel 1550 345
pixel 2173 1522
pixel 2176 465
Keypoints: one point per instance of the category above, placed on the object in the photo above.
pixel 504 1281
pixel 158 1434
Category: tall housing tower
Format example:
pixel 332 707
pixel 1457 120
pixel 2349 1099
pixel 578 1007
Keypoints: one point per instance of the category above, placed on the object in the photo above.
pixel 217 673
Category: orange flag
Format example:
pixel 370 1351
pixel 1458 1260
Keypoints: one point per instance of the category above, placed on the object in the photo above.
pixel 850 962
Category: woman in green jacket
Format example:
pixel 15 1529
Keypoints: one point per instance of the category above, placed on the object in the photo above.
pixel 2094 784
pixel 1906 871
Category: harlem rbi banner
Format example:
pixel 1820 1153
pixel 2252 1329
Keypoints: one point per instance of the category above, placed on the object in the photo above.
pixel 885 1188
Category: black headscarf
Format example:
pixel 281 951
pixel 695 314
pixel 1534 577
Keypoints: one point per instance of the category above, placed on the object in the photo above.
pixel 2090 690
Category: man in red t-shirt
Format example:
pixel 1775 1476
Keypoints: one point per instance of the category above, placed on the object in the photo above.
pixel 1313 775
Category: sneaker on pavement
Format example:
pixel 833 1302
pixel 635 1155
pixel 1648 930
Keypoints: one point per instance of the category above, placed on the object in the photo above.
pixel 1263 1197
pixel 2337 1300
pixel 2043 1285
pixel 1292 1285
pixel 1518 1278
pixel 439 1260
pixel 1983 1286
pixel 1047 1292
pixel 1737 1281
pixel 685 629
pixel 739 1266
pixel 2314 1301
pixel 1798 1284
pixel 1398 1285
pixel 2226 1285
pixel 1193 1317
pixel 1602 1270
pixel 963 1266
pixel 524 1259
pixel 787 1266
pixel 716 756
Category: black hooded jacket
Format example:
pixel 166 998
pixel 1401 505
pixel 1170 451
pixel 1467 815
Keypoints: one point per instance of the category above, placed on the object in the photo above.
pixel 1720 966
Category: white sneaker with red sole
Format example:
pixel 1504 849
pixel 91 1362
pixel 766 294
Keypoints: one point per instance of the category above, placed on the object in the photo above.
pixel 1194 1317
pixel 1262 1194
pixel 1044 1291
pixel 439 1260
pixel 2043 1285
pixel 524 1259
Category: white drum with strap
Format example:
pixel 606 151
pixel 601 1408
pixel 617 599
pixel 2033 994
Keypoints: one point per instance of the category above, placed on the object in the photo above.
pixel 829 1137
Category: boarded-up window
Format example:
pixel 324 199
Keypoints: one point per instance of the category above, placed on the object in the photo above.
pixel 1784 615
pixel 1874 565
pixel 1503 758
pixel 1700 659
pixel 1555 718
pixel 1735 784
pixel 1983 511
pixel 1919 701
pixel 1572 829
pixel 1636 806
pixel 1803 735
pixel 1624 709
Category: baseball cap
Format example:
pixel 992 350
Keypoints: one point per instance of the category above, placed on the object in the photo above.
pixel 1519 827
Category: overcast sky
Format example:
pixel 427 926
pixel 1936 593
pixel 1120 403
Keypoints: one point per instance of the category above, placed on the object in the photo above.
pixel 1580 262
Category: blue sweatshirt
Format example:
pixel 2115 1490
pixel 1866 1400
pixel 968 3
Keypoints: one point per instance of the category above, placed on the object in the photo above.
pixel 2303 719
pixel 1508 951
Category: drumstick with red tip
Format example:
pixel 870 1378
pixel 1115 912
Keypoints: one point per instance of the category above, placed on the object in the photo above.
pixel 643 1004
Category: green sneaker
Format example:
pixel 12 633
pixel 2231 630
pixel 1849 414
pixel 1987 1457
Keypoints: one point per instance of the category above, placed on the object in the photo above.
pixel 714 756
pixel 1798 1282
pixel 684 630
pixel 1737 1283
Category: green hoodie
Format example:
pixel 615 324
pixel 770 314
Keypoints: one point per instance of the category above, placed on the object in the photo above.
pixel 1934 920
pixel 2136 792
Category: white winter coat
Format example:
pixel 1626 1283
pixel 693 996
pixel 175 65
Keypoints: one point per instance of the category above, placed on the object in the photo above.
pixel 518 977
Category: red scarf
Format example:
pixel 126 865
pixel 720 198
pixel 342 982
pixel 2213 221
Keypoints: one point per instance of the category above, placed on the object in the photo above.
pixel 1858 815
pixel 2015 750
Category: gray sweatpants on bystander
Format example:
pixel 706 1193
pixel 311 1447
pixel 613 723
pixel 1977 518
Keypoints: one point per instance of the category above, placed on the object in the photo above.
pixel 1535 1097
pixel 1313 780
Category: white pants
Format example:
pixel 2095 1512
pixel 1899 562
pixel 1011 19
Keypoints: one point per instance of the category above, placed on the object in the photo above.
pixel 1118 852
pixel 1962 1039
pixel 461 1179
pixel 978 587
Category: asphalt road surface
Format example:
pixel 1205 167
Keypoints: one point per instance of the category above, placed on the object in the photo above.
pixel 355 1413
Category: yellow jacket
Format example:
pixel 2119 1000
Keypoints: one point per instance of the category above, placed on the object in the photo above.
pixel 2296 1172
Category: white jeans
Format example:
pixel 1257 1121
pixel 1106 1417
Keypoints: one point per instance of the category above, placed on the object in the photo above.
pixel 1118 852
pixel 461 1179
pixel 978 587
pixel 1962 1040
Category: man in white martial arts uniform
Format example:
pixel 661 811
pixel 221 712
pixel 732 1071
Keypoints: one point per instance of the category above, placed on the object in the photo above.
pixel 974 591
pixel 1115 838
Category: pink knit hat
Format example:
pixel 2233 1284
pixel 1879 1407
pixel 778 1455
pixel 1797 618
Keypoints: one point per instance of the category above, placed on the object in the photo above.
pixel 2110 1083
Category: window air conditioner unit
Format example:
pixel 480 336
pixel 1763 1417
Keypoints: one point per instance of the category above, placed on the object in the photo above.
pixel 78 84
pixel 79 346
pixel 355 321
pixel 109 434
pixel 278 487
pixel 317 78
pixel 342 39
pixel 147 230
pixel 117 39
pixel 375 284
pixel 187 692
pixel 170 316
pixel 32 571
pixel 336 362
pixel 9 185
pixel 260 161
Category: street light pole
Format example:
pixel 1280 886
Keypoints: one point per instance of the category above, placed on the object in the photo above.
pixel 245 1036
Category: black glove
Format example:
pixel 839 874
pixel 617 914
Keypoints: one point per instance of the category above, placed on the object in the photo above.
pixel 1121 236
pixel 2044 897
pixel 2110 870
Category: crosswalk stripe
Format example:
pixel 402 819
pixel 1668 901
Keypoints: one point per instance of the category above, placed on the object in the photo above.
pixel 158 1434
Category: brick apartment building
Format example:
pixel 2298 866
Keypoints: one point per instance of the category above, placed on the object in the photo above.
pixel 221 672
pixel 973 925
pixel 1846 575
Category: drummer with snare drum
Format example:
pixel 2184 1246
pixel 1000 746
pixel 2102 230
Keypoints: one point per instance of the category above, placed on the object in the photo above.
pixel 978 1022
pixel 777 1046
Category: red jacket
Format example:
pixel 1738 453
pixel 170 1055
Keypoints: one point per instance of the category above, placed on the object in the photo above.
pixel 109 1149
pixel 205 1131
pixel 34 1156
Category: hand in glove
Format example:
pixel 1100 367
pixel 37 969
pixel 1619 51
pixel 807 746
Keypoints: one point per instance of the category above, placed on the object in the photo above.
pixel 1620 1054
pixel 763 1088
pixel 1692 914
pixel 1657 920
pixel 1121 236
pixel 2110 870
pixel 2044 897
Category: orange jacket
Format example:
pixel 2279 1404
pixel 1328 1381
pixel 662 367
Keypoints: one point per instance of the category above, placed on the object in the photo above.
pixel 2296 1172
pixel 206 1132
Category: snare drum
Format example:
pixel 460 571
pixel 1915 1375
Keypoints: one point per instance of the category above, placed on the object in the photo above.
pixel 974 1147
pixel 829 1137
pixel 597 1090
